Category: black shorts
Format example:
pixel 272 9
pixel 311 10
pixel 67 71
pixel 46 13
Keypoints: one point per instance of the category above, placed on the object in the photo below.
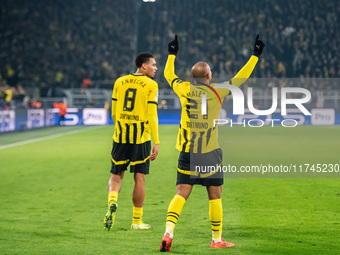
pixel 203 169
pixel 135 155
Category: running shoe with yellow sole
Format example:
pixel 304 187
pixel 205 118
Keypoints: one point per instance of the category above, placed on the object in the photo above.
pixel 109 219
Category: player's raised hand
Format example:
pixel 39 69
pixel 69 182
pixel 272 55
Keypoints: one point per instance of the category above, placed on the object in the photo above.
pixel 173 46
pixel 258 46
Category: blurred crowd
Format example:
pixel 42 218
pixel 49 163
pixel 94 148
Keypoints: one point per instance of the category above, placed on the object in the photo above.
pixel 68 44
pixel 60 43
pixel 17 98
pixel 302 37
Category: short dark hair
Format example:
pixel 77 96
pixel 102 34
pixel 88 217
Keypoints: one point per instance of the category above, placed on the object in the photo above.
pixel 142 58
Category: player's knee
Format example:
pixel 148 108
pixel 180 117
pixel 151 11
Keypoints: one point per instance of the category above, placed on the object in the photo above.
pixel 114 177
pixel 184 190
pixel 139 178
pixel 214 192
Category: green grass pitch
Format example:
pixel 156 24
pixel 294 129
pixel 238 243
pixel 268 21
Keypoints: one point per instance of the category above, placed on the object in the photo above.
pixel 54 195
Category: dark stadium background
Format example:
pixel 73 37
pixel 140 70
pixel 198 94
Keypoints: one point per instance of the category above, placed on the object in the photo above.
pixel 52 51
pixel 60 43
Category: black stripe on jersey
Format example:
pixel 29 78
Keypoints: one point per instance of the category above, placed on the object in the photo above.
pixel 186 139
pixel 127 135
pixel 179 136
pixel 208 136
pixel 152 102
pixel 173 81
pixel 114 99
pixel 192 142
pixel 199 142
pixel 142 129
pixel 215 221
pixel 134 133
pixel 120 132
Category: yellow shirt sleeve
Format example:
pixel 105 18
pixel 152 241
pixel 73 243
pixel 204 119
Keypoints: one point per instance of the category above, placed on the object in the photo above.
pixel 152 113
pixel 245 72
pixel 173 80
pixel 153 121
pixel 169 70
pixel 113 110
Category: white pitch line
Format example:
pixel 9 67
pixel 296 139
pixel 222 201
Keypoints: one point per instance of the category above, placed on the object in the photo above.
pixel 48 137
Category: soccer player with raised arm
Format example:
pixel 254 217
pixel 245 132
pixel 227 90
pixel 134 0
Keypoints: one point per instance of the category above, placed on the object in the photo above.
pixel 197 139
pixel 134 112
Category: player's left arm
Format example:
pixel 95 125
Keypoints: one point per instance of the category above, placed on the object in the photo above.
pixel 153 121
pixel 248 68
pixel 113 110
pixel 153 124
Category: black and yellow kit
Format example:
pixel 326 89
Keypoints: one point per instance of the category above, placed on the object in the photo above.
pixel 201 104
pixel 134 112
pixel 133 96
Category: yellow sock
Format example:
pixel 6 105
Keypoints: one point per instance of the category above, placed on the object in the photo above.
pixel 174 211
pixel 216 215
pixel 113 197
pixel 137 215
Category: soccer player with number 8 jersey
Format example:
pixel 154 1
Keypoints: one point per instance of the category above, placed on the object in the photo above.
pixel 134 112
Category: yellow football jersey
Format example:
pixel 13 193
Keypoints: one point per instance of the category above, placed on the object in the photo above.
pixel 133 93
pixel 201 105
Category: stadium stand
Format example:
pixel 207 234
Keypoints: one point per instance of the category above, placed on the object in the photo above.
pixel 55 46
